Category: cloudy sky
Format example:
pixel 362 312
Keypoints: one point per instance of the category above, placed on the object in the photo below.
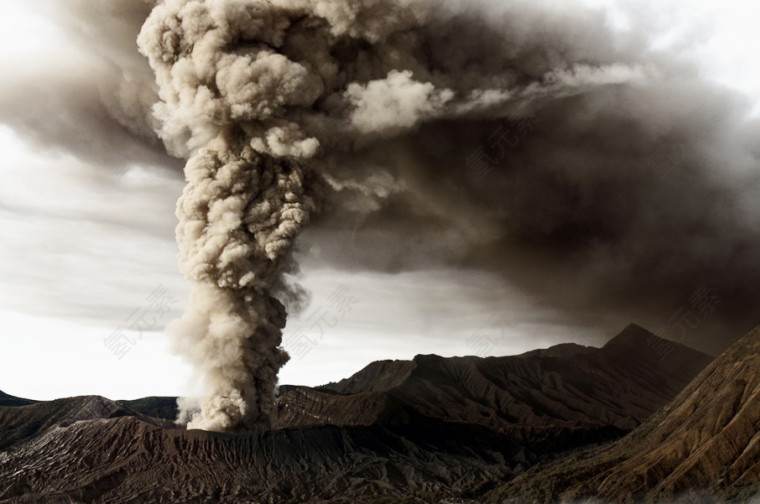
pixel 88 247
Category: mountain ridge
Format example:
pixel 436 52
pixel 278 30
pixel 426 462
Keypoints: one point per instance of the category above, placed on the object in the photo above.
pixel 495 386
pixel 705 444
pixel 9 400
pixel 421 429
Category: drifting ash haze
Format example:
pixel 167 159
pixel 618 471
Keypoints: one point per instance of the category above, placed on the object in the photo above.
pixel 528 140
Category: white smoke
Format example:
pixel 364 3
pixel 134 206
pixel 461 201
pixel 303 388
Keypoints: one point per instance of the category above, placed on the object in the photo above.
pixel 394 104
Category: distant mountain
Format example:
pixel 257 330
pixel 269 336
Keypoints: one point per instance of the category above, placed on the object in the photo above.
pixel 702 447
pixel 558 397
pixel 22 423
pixel 158 407
pixel 9 400
pixel 421 429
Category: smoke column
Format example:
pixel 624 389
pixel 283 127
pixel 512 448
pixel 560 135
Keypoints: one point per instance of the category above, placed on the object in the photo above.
pixel 241 207
pixel 282 105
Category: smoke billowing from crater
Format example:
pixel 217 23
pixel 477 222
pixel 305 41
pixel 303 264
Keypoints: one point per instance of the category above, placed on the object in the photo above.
pixel 527 133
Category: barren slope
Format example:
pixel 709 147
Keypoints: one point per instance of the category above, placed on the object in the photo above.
pixel 707 439
pixel 127 459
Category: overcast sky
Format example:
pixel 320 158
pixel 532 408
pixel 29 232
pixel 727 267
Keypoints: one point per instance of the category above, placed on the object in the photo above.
pixel 87 252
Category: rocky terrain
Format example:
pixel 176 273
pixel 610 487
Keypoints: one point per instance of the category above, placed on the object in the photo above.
pixel 421 430
pixel 702 447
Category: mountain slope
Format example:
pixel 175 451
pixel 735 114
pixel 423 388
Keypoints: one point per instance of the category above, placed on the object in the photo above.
pixel 559 396
pixel 22 423
pixel 707 439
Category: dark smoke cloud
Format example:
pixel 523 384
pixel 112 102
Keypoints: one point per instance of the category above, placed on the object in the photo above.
pixel 624 183
pixel 92 130
pixel 91 95
pixel 596 210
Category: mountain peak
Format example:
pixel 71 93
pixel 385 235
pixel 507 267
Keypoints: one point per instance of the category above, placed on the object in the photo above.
pixel 634 335
pixel 636 341
pixel 376 376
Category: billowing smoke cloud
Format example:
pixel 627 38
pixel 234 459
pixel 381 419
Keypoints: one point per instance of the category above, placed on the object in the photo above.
pixel 580 165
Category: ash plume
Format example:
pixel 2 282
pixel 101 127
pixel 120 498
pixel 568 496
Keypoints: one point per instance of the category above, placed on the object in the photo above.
pixel 281 107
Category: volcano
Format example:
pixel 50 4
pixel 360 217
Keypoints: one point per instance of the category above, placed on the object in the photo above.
pixel 427 428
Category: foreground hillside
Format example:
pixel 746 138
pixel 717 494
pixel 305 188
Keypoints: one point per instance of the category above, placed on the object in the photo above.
pixel 426 428
pixel 704 445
